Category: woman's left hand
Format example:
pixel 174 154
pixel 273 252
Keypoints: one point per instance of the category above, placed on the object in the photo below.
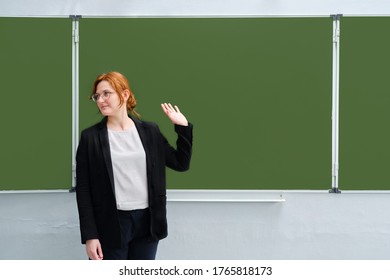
pixel 174 114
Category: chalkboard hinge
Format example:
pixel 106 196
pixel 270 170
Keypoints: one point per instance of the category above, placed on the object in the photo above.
pixel 336 16
pixel 75 17
pixel 334 190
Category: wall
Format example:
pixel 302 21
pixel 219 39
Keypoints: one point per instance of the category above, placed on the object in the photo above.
pixel 258 225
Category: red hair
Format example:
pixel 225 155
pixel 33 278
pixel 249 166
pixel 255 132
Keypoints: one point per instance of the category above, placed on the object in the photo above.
pixel 119 83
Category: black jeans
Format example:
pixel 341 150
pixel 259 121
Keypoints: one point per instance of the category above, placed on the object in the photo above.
pixel 136 242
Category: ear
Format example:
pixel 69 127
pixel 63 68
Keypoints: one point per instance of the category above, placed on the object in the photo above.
pixel 126 94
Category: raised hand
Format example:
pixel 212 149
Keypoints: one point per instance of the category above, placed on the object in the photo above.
pixel 174 114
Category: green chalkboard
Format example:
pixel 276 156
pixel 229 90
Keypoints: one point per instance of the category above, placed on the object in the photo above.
pixel 258 92
pixel 36 104
pixel 364 103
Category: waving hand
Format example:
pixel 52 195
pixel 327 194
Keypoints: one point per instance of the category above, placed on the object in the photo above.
pixel 174 114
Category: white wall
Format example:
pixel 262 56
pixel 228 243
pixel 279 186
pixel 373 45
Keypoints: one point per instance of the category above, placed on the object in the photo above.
pixel 174 8
pixel 307 225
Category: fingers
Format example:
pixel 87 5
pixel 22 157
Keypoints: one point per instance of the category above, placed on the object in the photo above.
pixel 168 108
pixel 174 114
pixel 94 249
pixel 93 256
pixel 177 109
pixel 165 107
pixel 99 252
pixel 96 255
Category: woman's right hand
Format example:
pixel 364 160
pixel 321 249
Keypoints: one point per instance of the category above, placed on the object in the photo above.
pixel 94 249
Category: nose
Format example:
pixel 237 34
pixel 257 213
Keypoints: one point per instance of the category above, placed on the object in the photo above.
pixel 100 100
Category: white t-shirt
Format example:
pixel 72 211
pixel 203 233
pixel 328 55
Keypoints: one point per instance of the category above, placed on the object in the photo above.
pixel 129 167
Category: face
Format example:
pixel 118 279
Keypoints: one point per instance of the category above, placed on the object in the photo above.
pixel 109 106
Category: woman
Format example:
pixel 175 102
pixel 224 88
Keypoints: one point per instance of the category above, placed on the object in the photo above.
pixel 121 190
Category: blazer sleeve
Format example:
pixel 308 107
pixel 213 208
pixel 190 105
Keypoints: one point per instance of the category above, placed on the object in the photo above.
pixel 88 227
pixel 179 159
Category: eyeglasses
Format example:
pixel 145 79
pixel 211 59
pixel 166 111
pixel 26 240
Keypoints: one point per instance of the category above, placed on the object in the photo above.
pixel 105 95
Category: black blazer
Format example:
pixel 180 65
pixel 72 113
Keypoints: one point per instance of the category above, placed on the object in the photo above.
pixel 95 189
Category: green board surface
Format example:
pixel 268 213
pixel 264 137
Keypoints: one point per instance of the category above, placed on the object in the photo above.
pixel 258 91
pixel 364 103
pixel 36 103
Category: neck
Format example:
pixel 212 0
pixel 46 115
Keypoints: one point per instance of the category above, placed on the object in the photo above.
pixel 119 122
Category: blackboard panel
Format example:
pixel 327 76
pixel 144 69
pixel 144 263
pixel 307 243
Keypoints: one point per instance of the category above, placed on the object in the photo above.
pixel 257 90
pixel 364 103
pixel 36 118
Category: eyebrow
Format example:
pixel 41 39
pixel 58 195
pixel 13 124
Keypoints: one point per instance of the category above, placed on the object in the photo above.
pixel 106 90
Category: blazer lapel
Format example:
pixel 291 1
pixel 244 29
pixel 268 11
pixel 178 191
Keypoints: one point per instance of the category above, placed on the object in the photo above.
pixel 105 148
pixel 144 134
